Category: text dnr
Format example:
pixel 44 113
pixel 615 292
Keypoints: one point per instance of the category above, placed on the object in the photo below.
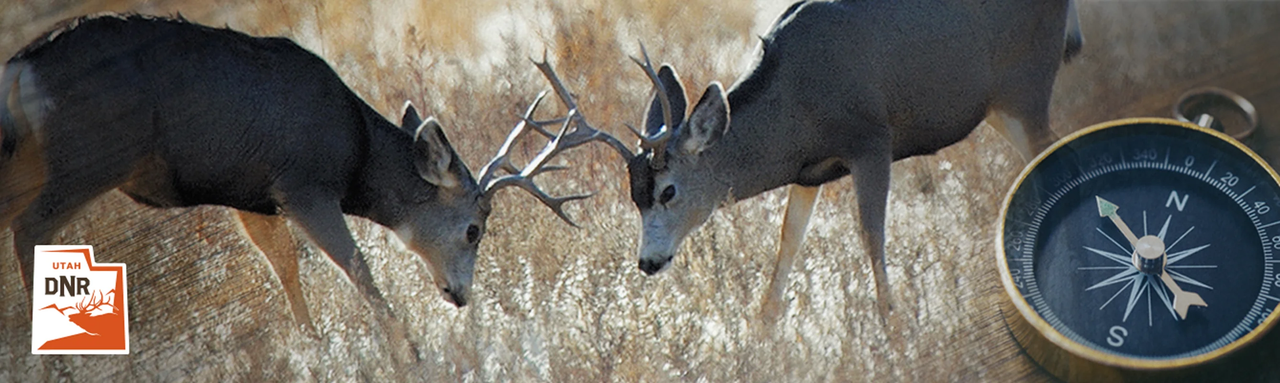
pixel 65 284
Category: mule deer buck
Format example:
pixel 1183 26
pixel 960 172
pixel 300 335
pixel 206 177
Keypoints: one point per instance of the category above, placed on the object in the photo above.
pixel 177 114
pixel 843 88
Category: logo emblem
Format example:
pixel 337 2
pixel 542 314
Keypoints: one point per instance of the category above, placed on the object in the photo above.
pixel 78 306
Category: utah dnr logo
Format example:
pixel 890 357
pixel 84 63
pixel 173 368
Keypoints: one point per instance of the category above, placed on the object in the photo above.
pixel 78 306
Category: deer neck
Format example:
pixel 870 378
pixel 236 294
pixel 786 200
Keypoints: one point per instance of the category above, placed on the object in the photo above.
pixel 756 154
pixel 385 177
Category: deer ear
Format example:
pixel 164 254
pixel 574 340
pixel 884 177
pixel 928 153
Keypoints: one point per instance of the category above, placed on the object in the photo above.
pixel 709 121
pixel 434 155
pixel 675 96
pixel 410 120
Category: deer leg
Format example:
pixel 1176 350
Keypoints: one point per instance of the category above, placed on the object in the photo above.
pixel 1014 130
pixel 22 177
pixel 800 203
pixel 322 220
pixel 1075 40
pixel 56 204
pixel 871 175
pixel 323 223
pixel 271 235
pixel 1023 109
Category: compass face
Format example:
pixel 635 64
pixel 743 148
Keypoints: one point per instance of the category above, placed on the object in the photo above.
pixel 1146 243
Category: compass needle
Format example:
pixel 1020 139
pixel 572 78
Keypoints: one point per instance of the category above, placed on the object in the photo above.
pixel 1182 300
pixel 1076 281
pixel 1108 209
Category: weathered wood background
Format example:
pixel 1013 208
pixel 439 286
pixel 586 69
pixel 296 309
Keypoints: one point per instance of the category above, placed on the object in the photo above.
pixel 557 304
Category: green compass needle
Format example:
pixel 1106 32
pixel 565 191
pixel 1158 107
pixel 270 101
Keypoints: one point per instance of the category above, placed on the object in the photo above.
pixel 1108 209
pixel 1151 249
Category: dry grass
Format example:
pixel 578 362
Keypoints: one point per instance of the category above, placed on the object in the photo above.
pixel 551 303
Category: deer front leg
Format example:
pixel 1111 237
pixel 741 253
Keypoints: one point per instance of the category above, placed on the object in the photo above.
pixel 800 203
pixel 1022 112
pixel 1014 130
pixel 271 235
pixel 323 222
pixel 59 201
pixel 871 175
pixel 321 219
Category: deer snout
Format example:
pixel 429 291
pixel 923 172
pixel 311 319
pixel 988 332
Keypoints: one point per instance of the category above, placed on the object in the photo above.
pixel 661 238
pixel 456 296
pixel 655 255
pixel 651 266
pixel 656 252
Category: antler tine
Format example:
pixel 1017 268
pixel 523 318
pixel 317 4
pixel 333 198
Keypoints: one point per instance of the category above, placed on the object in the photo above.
pixel 557 145
pixel 574 131
pixel 539 126
pixel 656 143
pixel 583 132
pixel 114 302
pixel 634 131
pixel 94 301
pixel 544 66
pixel 502 160
pixel 524 178
pixel 555 203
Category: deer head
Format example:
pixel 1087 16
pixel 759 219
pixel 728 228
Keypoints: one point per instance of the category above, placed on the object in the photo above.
pixel 466 203
pixel 446 222
pixel 448 235
pixel 673 188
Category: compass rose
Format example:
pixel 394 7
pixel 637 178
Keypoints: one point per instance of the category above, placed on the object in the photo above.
pixel 1149 268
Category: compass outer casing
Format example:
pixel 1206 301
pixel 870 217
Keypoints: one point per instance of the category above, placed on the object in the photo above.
pixel 1060 355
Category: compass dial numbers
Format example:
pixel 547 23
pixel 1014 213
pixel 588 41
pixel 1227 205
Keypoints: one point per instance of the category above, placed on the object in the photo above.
pixel 1201 214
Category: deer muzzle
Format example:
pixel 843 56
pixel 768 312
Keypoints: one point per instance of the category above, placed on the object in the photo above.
pixel 455 295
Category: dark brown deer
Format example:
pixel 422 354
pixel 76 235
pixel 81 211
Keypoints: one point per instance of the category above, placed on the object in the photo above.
pixel 176 114
pixel 844 88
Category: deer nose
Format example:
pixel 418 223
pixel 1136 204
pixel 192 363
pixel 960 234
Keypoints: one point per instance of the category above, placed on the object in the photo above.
pixel 456 298
pixel 651 266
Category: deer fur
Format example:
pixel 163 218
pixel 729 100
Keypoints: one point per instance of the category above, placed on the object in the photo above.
pixel 176 114
pixel 846 88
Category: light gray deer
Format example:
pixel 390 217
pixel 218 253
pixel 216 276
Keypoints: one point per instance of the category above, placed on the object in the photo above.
pixel 177 114
pixel 844 88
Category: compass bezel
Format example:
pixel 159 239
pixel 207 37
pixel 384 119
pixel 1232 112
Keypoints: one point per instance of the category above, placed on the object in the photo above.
pixel 1033 318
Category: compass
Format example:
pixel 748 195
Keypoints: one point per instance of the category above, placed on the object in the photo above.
pixel 1140 244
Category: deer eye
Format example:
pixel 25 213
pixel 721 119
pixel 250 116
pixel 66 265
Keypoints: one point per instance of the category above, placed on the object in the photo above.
pixel 473 234
pixel 667 194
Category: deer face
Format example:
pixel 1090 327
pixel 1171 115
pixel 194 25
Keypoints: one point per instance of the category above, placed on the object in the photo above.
pixel 673 202
pixel 446 233
pixel 675 189
pixel 442 223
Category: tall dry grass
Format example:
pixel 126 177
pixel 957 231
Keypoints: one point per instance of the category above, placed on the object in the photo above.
pixel 554 303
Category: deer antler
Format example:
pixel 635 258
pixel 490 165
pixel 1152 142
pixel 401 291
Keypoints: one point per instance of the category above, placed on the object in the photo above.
pixel 583 132
pixel 115 304
pixel 96 300
pixel 657 143
pixel 567 138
